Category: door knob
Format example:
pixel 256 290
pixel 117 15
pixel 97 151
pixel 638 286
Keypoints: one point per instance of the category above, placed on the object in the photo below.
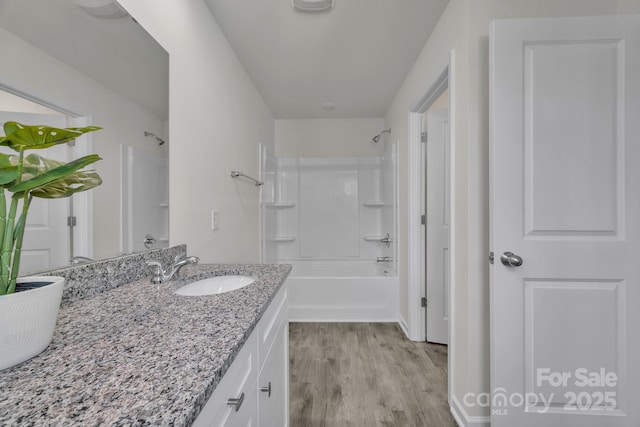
pixel 510 259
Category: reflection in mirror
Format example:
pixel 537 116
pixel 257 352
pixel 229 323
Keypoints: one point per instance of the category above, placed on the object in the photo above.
pixel 65 67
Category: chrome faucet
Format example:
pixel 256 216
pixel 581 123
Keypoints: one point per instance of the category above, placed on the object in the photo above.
pixel 384 259
pixel 159 275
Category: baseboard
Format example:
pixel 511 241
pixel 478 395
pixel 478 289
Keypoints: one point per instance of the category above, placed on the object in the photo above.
pixel 403 325
pixel 463 418
pixel 341 314
pixel 336 320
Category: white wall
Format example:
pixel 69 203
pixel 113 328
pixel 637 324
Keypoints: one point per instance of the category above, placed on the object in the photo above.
pixel 450 33
pixel 464 27
pixel 33 72
pixel 217 120
pixel 328 137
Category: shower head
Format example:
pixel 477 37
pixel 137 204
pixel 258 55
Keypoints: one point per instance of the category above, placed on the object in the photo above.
pixel 377 137
pixel 160 140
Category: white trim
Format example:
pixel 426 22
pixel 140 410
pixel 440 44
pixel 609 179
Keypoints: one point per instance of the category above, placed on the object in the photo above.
pixel 328 315
pixel 452 228
pixel 463 419
pixel 396 209
pixel 414 291
pixel 262 155
pixel 83 201
pixel 403 325
pixel 126 245
pixel 40 101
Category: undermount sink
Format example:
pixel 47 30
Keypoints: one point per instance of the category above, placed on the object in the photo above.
pixel 215 285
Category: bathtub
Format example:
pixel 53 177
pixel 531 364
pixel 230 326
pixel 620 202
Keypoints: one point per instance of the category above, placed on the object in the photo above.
pixel 342 292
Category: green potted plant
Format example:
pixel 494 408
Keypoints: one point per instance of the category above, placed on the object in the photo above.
pixel 29 306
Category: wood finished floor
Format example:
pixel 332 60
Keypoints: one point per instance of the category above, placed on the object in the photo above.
pixel 365 374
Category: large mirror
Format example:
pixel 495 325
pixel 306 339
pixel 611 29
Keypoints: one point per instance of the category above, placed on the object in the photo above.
pixel 79 62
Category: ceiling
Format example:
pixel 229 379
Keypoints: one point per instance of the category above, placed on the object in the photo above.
pixel 117 53
pixel 355 55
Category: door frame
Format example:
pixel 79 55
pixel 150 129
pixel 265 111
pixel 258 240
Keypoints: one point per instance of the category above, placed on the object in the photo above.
pixel 416 326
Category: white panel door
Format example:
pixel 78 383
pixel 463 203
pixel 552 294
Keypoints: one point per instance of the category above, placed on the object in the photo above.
pixel 565 197
pixel 437 226
pixel 46 236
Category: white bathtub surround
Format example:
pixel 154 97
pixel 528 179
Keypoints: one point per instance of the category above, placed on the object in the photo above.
pixel 328 216
pixel 145 198
pixel 354 291
pixel 268 206
pixel 389 194
pixel 326 208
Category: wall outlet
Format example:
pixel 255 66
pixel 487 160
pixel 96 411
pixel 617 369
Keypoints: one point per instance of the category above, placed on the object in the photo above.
pixel 215 220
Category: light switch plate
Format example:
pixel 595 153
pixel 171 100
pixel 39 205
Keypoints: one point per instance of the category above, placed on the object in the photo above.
pixel 215 220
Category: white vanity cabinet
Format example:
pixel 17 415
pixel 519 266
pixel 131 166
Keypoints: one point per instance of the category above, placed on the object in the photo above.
pixel 255 389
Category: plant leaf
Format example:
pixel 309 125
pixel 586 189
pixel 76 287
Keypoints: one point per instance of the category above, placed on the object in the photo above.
pixel 21 137
pixel 55 173
pixel 5 160
pixel 8 175
pixel 68 185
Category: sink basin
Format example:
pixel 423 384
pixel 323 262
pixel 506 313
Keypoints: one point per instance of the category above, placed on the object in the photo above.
pixel 215 285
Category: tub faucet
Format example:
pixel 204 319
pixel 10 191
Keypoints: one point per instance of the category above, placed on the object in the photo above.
pixel 384 259
pixel 159 275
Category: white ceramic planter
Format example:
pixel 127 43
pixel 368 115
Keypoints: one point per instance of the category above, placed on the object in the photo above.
pixel 28 319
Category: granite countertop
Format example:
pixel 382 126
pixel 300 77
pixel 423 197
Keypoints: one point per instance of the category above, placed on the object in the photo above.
pixel 138 354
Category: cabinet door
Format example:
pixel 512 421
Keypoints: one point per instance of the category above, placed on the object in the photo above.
pixel 273 382
pixel 239 382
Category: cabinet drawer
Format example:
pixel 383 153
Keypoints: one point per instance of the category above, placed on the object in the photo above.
pixel 270 323
pixel 239 382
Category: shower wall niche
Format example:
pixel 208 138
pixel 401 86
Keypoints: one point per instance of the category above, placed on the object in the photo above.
pixel 326 209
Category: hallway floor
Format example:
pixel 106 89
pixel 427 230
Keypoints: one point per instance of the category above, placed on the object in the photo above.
pixel 365 374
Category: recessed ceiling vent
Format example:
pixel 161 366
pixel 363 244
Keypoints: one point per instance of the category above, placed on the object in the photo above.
pixel 108 9
pixel 312 5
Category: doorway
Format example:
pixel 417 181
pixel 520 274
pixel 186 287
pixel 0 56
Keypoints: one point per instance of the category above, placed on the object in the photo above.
pixel 436 170
pixel 57 230
pixel 416 244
